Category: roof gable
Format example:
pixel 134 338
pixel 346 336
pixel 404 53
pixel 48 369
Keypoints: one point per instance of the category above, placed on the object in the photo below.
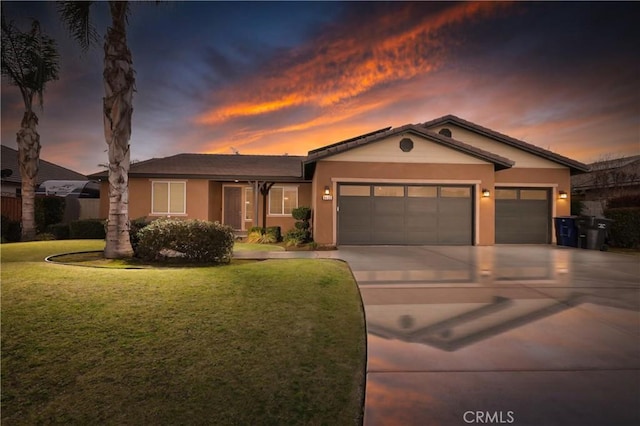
pixel 574 166
pixel 410 129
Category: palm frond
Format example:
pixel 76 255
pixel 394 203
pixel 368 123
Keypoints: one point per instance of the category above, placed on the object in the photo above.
pixel 77 18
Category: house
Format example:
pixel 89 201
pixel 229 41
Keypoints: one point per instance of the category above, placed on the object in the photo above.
pixel 446 181
pixel 606 179
pixel 12 182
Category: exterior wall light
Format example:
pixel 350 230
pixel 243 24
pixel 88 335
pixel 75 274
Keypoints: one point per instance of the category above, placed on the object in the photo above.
pixel 486 193
pixel 326 190
pixel 563 195
pixel 327 194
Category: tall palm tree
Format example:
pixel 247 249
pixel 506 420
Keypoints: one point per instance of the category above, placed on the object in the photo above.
pixel 29 61
pixel 119 83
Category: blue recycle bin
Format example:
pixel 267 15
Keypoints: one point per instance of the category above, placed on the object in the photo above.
pixel 567 232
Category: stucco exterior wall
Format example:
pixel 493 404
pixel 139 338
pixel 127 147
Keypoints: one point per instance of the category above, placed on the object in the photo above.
pixel 330 173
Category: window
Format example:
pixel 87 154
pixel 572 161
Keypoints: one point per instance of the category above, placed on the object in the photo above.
pixel 282 200
pixel 533 194
pixel 506 194
pixel 388 191
pixel 168 198
pixel 423 191
pixel 248 204
pixel 355 190
pixel 455 192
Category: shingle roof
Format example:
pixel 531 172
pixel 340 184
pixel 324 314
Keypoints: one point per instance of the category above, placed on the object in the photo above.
pixel 47 171
pixel 219 166
pixel 574 166
pixel 318 154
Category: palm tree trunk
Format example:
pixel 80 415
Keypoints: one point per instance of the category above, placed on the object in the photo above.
pixel 28 158
pixel 119 87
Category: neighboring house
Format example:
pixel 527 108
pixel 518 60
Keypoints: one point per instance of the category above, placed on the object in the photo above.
pixel 446 181
pixel 48 172
pixel 606 179
pixel 12 182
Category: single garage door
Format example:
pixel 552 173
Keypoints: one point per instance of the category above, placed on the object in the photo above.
pixel 523 216
pixel 405 214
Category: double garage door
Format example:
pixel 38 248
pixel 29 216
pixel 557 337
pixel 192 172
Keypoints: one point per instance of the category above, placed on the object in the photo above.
pixel 437 215
pixel 405 214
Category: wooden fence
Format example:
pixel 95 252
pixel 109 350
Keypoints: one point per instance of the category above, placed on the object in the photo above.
pixel 12 207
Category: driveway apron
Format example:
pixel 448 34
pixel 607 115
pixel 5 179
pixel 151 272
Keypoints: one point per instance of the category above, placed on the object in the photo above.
pixel 525 335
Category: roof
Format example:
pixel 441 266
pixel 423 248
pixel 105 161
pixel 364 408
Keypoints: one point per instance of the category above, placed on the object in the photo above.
pixel 346 145
pixel 219 167
pixel 574 166
pixel 47 170
pixel 614 173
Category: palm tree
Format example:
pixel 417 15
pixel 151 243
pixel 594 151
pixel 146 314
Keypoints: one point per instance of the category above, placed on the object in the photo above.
pixel 29 61
pixel 119 87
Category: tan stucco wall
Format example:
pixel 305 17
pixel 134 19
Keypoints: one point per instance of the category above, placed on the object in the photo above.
pixel 388 150
pixel 521 158
pixel 329 173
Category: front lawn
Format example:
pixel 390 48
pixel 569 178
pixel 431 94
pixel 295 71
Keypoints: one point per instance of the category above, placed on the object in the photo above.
pixel 272 342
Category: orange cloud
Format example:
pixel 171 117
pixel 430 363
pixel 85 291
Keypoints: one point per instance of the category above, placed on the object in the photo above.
pixel 344 64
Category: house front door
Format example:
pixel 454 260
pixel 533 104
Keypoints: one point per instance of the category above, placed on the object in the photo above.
pixel 233 206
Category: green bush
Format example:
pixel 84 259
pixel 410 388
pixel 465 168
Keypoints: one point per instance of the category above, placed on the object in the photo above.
pixel 577 207
pixel 275 232
pixel 186 240
pixel 302 225
pixel 301 213
pixel 48 211
pixel 295 237
pixel 11 230
pixel 134 227
pixel 59 230
pixel 625 229
pixel 270 235
pixel 87 229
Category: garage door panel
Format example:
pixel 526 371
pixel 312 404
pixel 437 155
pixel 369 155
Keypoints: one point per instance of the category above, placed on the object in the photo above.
pixel 522 216
pixel 406 214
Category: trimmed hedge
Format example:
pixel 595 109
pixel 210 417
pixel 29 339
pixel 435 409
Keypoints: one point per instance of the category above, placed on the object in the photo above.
pixel 87 229
pixel 134 227
pixel 195 241
pixel 48 211
pixel 11 230
pixel 625 229
pixel 302 233
pixel 60 230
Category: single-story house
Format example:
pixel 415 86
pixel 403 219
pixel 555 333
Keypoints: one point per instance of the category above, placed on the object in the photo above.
pixel 447 181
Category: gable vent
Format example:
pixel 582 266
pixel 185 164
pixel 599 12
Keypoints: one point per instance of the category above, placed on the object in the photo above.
pixel 445 132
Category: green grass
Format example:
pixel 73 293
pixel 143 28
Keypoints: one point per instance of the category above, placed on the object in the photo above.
pixel 272 342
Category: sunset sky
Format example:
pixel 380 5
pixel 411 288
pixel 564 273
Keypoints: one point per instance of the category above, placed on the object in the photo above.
pixel 275 78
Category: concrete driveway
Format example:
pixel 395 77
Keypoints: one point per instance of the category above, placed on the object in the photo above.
pixel 524 335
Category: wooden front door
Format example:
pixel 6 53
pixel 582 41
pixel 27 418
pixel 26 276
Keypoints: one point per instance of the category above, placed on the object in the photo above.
pixel 233 207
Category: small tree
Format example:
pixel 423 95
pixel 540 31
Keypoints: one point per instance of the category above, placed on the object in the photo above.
pixel 29 61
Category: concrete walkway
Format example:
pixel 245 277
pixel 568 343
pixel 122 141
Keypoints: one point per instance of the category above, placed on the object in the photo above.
pixel 525 335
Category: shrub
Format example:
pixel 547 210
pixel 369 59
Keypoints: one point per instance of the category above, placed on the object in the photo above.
pixel 295 237
pixel 45 236
pixel 87 229
pixel 11 230
pixel 48 211
pixel 186 240
pixel 301 213
pixel 134 227
pixel 59 230
pixel 275 232
pixel 260 235
pixel 631 200
pixel 625 229
pixel 577 207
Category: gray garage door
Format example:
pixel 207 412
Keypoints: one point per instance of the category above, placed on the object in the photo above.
pixel 523 216
pixel 404 214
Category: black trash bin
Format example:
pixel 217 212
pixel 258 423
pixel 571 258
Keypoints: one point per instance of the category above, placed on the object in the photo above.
pixel 592 232
pixel 566 231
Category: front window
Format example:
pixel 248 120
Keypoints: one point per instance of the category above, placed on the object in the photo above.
pixel 168 197
pixel 282 200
